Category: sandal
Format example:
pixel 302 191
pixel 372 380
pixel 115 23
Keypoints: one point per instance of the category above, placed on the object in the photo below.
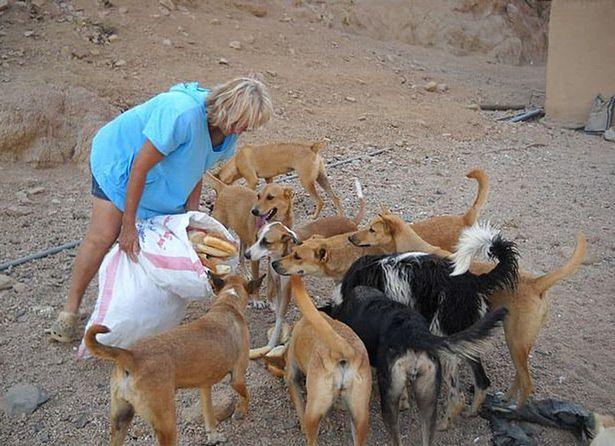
pixel 64 328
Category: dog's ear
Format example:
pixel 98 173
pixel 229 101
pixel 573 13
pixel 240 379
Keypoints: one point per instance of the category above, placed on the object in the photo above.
pixel 383 209
pixel 323 254
pixel 217 282
pixel 289 192
pixel 254 284
pixel 290 236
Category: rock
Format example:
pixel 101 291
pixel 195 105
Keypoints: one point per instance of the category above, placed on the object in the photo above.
pixel 23 398
pixel 609 135
pixel 362 118
pixel 4 4
pixel 81 420
pixel 591 259
pixel 112 37
pixel 272 73
pixel 215 22
pixel 17 211
pixel 119 63
pixel 28 33
pixel 6 282
pixel 473 107
pixel 123 10
pixel 20 287
pixel 250 7
pixel 22 198
pixel 431 86
pixel 36 190
pixel 235 44
pixel 351 99
pixel 442 88
pixel 167 42
pixel 45 310
pixel 223 61
pixel 168 4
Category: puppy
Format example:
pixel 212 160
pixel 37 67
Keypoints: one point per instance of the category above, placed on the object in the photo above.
pixel 443 230
pixel 197 354
pixel 527 303
pixel 334 363
pixel 270 160
pixel 274 240
pixel 405 352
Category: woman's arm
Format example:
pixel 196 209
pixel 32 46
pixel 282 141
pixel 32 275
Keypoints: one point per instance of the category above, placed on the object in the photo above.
pixel 146 158
pixel 194 199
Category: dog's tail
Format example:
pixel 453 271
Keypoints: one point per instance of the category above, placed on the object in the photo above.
pixel 121 356
pixel 546 281
pixel 316 147
pixel 361 213
pixel 471 215
pixel 482 238
pixel 472 342
pixel 307 308
pixel 214 182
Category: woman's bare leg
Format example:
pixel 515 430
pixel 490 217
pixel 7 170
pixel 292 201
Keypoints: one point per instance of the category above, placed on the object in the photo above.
pixel 105 224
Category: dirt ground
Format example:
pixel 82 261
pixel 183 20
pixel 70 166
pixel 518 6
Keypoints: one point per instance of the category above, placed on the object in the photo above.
pixel 363 95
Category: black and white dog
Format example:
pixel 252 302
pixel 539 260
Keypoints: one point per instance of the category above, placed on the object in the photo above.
pixel 442 290
pixel 404 351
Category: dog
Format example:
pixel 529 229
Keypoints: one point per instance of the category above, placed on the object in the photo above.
pixel 274 240
pixel 403 349
pixel 443 230
pixel 331 257
pixel 270 160
pixel 334 363
pixel 527 303
pixel 322 257
pixel 449 303
pixel 197 354
pixel 245 211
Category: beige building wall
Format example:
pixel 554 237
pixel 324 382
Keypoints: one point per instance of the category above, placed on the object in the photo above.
pixel 580 58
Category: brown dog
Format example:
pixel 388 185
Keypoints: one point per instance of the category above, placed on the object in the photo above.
pixel 527 305
pixel 274 240
pixel 198 354
pixel 334 362
pixel 270 160
pixel 244 211
pixel 323 257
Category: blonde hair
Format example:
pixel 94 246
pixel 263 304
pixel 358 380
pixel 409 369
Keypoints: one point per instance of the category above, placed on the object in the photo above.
pixel 243 102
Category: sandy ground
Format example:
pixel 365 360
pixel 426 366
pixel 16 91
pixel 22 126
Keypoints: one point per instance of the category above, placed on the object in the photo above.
pixel 364 95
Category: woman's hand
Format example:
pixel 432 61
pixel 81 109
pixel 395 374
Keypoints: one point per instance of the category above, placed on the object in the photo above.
pixel 129 240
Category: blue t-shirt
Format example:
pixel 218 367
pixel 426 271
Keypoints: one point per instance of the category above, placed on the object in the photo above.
pixel 176 124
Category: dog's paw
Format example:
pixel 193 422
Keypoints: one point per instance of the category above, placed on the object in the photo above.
pixel 259 304
pixel 213 438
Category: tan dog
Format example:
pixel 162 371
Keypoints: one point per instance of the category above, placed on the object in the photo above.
pixel 270 160
pixel 527 305
pixel 334 362
pixel 244 211
pixel 323 257
pixel 198 354
pixel 274 203
pixel 444 230
pixel 274 240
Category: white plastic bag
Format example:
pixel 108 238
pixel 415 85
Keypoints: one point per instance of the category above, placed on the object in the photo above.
pixel 144 298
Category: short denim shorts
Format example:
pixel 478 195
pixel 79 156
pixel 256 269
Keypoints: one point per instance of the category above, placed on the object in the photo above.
pixel 97 191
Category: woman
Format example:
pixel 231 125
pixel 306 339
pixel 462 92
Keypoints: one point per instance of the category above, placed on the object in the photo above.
pixel 149 161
